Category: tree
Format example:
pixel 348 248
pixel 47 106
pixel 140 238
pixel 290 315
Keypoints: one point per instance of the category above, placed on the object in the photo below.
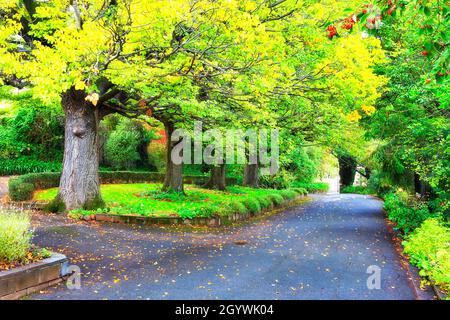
pixel 99 58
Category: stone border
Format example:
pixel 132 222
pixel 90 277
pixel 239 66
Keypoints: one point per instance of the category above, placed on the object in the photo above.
pixel 440 295
pixel 215 221
pixel 24 280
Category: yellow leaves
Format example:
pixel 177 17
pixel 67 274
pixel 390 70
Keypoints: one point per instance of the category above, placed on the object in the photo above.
pixel 354 116
pixel 80 85
pixel 369 110
pixel 92 98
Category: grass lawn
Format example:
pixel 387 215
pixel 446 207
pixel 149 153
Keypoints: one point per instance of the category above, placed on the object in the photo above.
pixel 145 199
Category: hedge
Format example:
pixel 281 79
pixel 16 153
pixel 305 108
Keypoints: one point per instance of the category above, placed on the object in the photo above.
pixel 21 188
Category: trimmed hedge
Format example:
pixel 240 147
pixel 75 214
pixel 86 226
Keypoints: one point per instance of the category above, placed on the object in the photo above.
pixel 25 165
pixel 21 188
pixel 311 187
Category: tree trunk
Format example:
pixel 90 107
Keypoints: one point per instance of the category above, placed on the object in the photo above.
pixel 251 177
pixel 347 170
pixel 80 185
pixel 217 179
pixel 173 181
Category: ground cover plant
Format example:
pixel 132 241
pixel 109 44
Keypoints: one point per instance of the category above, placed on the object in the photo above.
pixel 15 240
pixel 146 199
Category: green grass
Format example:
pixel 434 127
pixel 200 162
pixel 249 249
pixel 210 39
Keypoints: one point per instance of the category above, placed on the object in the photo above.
pixel 147 200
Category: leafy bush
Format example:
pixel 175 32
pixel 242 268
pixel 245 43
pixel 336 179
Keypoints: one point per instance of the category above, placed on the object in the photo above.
pixel 121 150
pixel 304 163
pixel 276 198
pixel 357 190
pixel 252 204
pixel 35 131
pixel 301 191
pixel 19 190
pixel 206 211
pixel 429 249
pixel 405 211
pixel 237 207
pixel 265 201
pixel 15 237
pixel 282 180
pixel 157 156
pixel 441 205
pixel 288 194
pixel 311 187
pixel 380 183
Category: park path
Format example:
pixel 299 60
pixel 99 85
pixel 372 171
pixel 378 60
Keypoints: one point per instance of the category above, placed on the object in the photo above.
pixel 320 250
pixel 3 187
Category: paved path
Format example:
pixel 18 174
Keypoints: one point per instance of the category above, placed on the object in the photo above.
pixel 3 187
pixel 320 250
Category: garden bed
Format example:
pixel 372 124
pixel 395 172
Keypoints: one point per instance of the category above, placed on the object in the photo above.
pixel 213 221
pixel 144 203
pixel 23 280
pixel 21 188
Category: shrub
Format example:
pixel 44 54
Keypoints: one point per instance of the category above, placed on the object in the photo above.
pixel 157 156
pixel 19 190
pixel 288 194
pixel 204 212
pixel 15 237
pixel 301 191
pixel 121 150
pixel 276 198
pixel 252 204
pixel 405 211
pixel 311 187
pixel 265 201
pixel 282 180
pixel 429 249
pixel 358 190
pixel 237 207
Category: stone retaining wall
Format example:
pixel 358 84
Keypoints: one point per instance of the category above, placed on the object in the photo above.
pixel 24 280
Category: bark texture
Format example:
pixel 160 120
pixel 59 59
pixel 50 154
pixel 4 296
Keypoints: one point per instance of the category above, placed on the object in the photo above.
pixel 347 170
pixel 217 180
pixel 251 176
pixel 173 181
pixel 80 185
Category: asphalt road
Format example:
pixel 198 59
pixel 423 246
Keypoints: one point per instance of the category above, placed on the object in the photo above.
pixel 319 250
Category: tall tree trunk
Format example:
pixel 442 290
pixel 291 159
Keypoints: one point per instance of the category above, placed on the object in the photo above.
pixel 217 180
pixel 80 185
pixel 347 170
pixel 251 177
pixel 173 181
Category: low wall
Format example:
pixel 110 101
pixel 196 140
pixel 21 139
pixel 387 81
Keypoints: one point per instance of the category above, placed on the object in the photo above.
pixel 24 280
